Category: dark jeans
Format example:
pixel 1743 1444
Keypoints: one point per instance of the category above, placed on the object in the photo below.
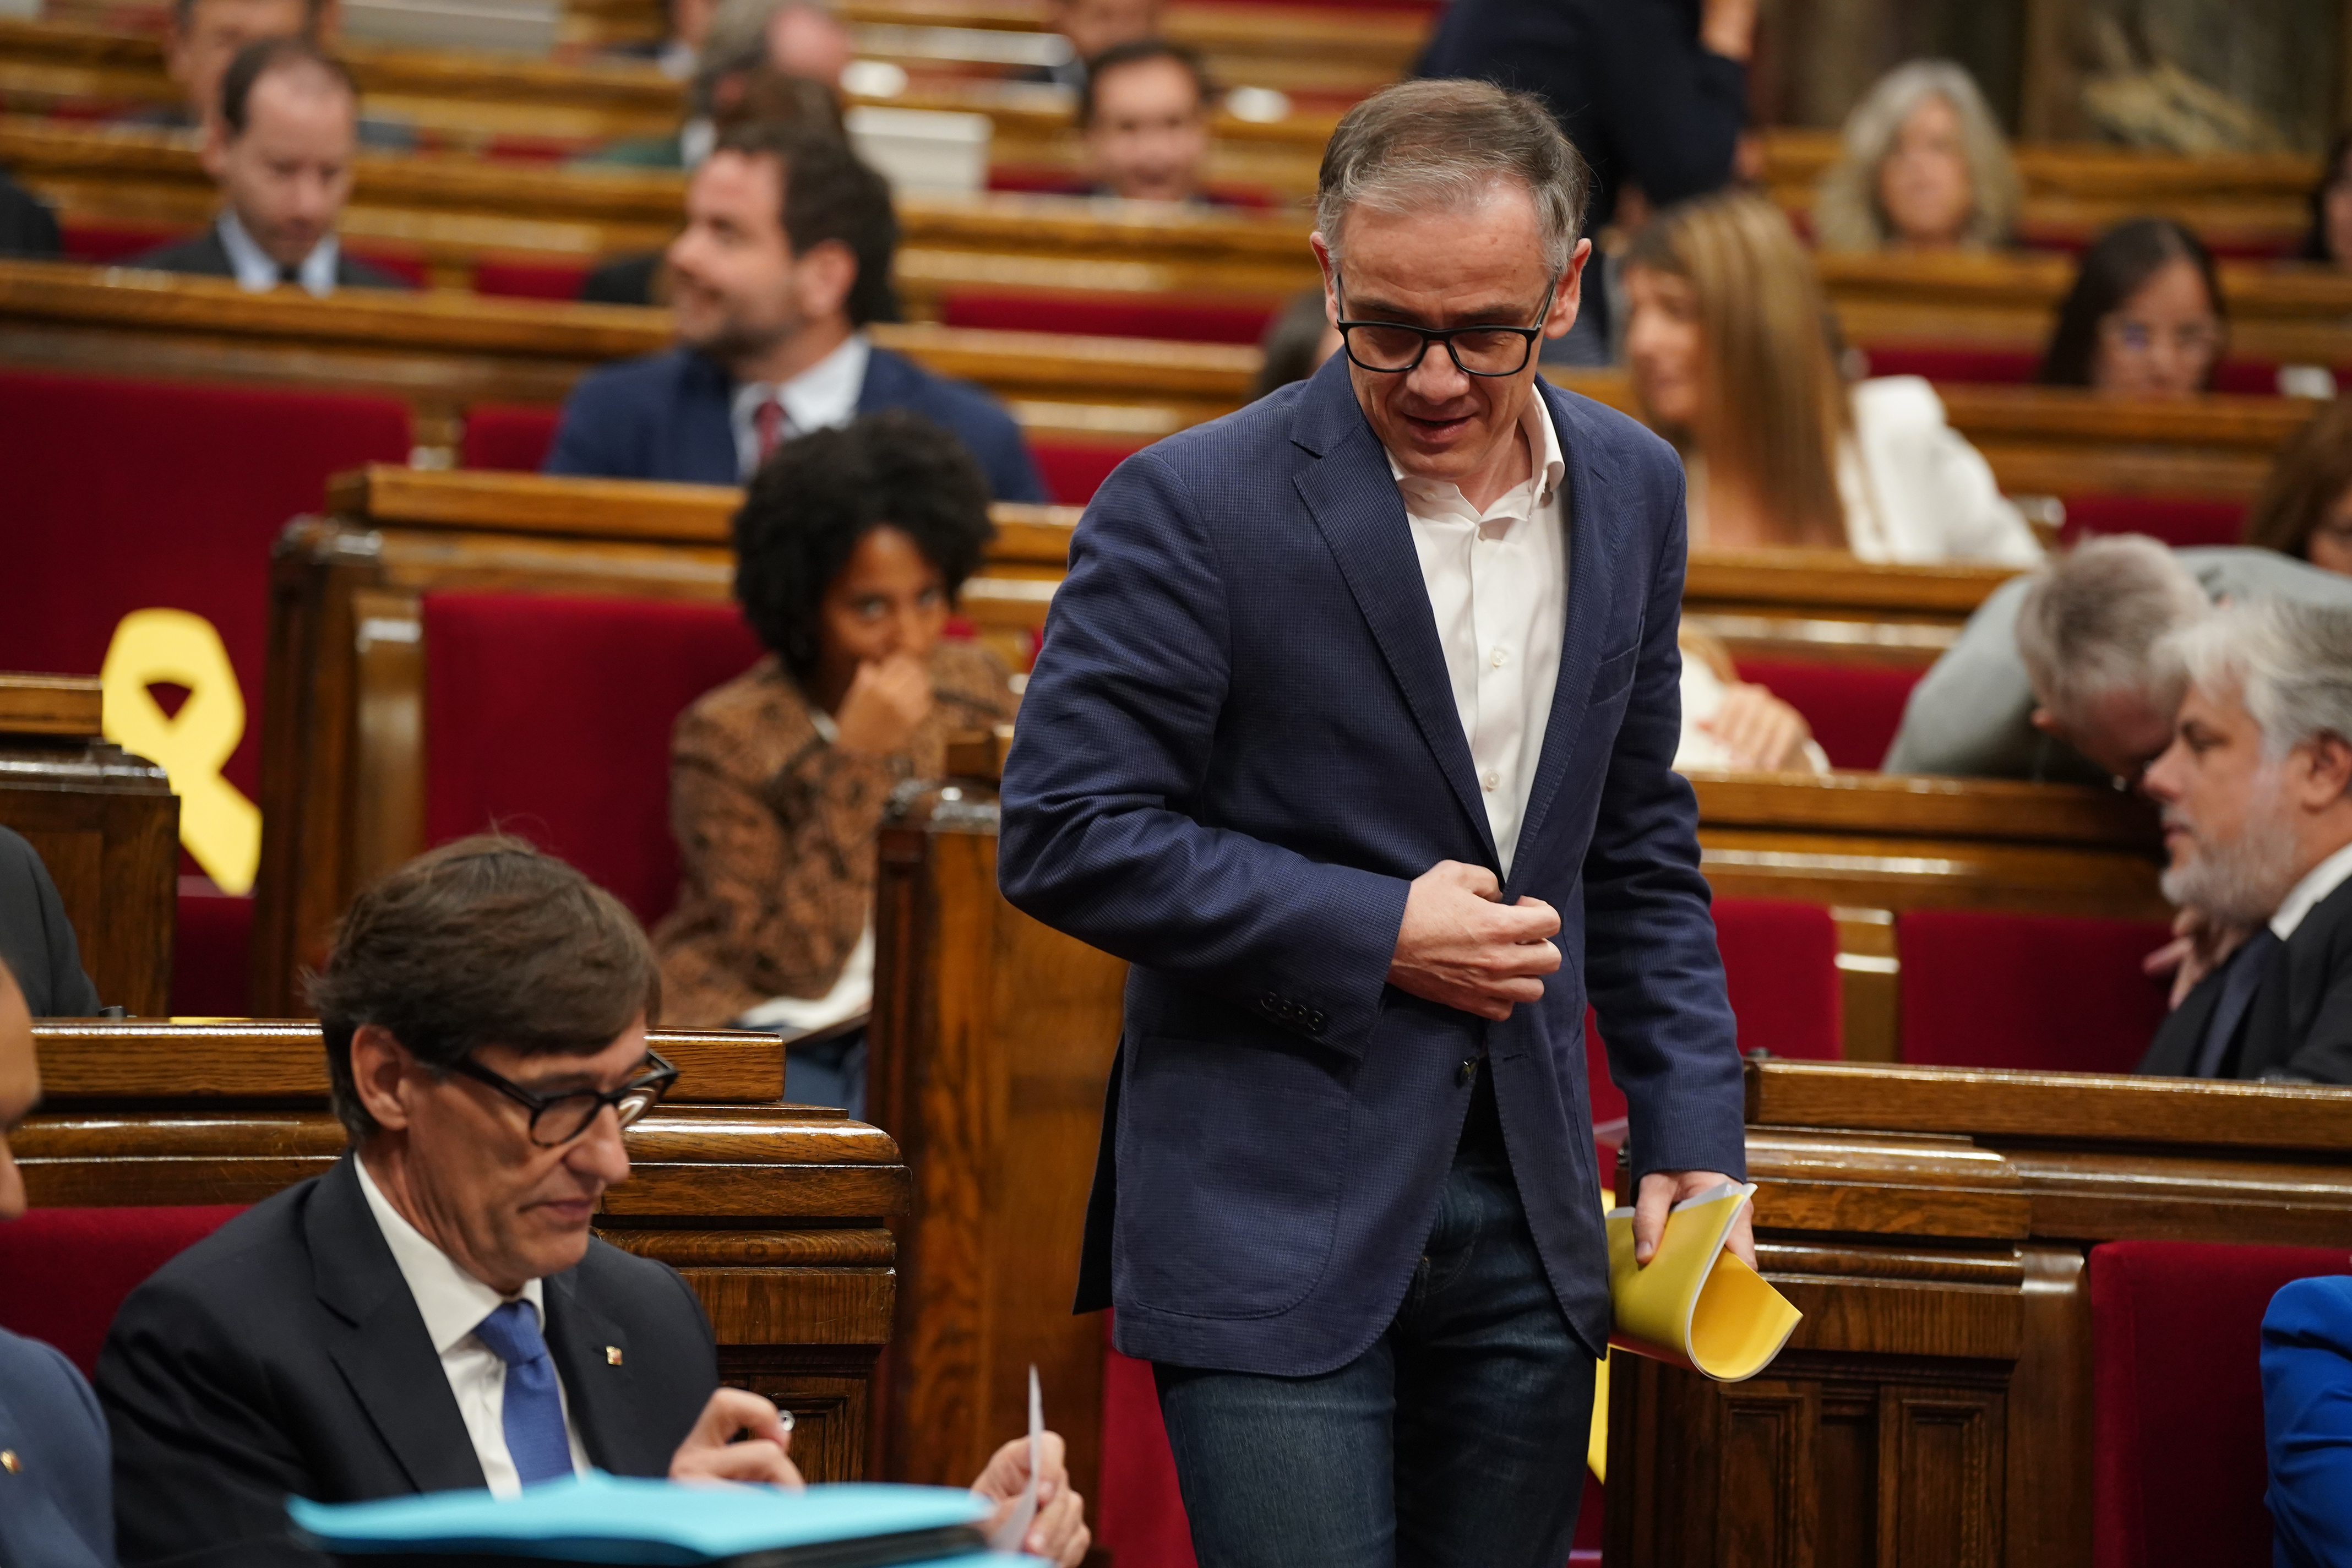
pixel 1457 1439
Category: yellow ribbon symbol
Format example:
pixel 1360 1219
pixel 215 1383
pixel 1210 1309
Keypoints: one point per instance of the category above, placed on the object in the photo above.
pixel 218 826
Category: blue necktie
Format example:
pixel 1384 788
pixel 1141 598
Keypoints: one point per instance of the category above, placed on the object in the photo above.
pixel 2245 970
pixel 534 1413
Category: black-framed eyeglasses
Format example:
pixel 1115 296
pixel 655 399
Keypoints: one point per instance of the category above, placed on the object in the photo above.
pixel 557 1119
pixel 1393 348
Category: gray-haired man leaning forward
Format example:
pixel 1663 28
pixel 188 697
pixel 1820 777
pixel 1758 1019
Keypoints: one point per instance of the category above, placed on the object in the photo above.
pixel 1354 732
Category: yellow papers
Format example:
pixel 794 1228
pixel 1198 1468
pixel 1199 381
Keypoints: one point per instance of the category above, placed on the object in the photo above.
pixel 1696 1305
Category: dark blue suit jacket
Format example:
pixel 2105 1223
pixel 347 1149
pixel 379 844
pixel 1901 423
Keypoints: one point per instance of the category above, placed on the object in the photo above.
pixel 664 416
pixel 2307 1421
pixel 55 1509
pixel 1238 747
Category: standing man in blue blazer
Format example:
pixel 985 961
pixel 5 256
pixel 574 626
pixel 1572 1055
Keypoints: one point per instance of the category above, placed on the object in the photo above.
pixel 1352 732
pixel 784 261
pixel 57 1509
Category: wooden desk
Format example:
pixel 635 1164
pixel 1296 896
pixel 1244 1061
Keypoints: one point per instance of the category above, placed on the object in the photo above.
pixel 106 826
pixel 1932 1224
pixel 775 1213
pixel 455 211
pixel 445 352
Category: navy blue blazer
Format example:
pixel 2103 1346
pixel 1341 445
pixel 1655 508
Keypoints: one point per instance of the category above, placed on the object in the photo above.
pixel 2308 1422
pixel 666 416
pixel 55 1506
pixel 1238 747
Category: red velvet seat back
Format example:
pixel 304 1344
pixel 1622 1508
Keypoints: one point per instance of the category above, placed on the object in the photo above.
pixel 213 959
pixel 63 1272
pixel 2176 520
pixel 122 495
pixel 550 718
pixel 498 435
pixel 518 278
pixel 2038 992
pixel 1074 470
pixel 1854 709
pixel 1779 967
pixel 2178 1467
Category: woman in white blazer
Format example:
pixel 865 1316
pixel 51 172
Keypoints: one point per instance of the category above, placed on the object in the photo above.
pixel 1728 342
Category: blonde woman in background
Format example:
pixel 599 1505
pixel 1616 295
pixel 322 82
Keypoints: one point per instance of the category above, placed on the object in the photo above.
pixel 1728 344
pixel 1926 168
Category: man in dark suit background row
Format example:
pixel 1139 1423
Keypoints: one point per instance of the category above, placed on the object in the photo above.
pixel 784 261
pixel 432 1313
pixel 280 151
pixel 2256 789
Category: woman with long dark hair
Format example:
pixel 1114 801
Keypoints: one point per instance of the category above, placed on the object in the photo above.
pixel 2144 319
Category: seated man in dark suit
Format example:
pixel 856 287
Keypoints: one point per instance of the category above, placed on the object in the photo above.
pixel 785 256
pixel 281 152
pixel 53 1511
pixel 2256 789
pixel 36 941
pixel 432 1313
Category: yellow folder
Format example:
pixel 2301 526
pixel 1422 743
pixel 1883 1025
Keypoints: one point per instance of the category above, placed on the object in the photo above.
pixel 1696 1304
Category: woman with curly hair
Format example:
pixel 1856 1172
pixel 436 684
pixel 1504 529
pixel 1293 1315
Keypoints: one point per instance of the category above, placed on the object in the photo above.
pixel 850 548
pixel 1924 168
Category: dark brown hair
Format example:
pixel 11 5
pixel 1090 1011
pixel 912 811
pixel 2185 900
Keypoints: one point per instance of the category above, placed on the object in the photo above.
pixel 486 941
pixel 2113 270
pixel 2313 471
pixel 269 57
pixel 1136 51
pixel 829 195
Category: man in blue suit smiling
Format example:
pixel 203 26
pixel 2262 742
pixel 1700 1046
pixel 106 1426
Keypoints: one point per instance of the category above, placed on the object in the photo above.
pixel 1352 732
pixel 784 261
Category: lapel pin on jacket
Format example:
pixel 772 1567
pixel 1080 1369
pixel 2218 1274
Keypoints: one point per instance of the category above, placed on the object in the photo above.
pixel 612 1355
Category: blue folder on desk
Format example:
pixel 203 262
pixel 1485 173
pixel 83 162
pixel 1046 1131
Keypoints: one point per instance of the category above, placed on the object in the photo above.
pixel 616 1519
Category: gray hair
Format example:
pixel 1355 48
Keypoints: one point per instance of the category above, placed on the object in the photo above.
pixel 2290 664
pixel 2089 623
pixel 1445 145
pixel 1846 213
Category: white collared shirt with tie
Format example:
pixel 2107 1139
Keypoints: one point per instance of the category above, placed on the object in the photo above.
pixel 1498 584
pixel 452 1302
pixel 257 274
pixel 822 397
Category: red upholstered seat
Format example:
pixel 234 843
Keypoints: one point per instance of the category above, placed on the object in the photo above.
pixel 1074 470
pixel 1854 709
pixel 1779 967
pixel 501 437
pixel 63 1272
pixel 2176 520
pixel 121 495
pixel 1166 316
pixel 2178 1469
pixel 213 954
pixel 2039 992
pixel 550 718
pixel 101 244
pixel 529 279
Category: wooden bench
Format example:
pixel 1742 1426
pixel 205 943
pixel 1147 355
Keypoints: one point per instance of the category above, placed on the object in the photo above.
pixel 1933 1225
pixel 447 351
pixel 106 826
pixel 775 1213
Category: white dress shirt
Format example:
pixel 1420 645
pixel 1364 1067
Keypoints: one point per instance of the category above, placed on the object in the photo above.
pixel 2318 883
pixel 822 397
pixel 255 273
pixel 1498 584
pixel 452 1304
